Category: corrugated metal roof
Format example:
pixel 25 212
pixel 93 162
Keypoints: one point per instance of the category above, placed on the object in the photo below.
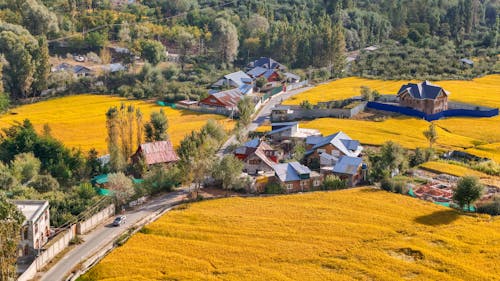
pixel 229 98
pixel 158 152
pixel 256 71
pixel 347 165
pixel 238 77
pixel 340 140
pixel 290 171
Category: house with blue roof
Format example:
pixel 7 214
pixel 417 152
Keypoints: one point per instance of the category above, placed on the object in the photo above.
pixel 425 97
pixel 295 177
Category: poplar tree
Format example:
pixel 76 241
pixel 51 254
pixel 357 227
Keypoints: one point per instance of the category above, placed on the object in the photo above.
pixel 116 159
pixel 11 220
pixel 339 47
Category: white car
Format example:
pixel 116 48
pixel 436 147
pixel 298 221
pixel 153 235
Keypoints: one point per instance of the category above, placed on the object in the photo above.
pixel 79 58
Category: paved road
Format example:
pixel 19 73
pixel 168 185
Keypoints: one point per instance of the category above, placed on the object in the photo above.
pixel 262 115
pixel 106 233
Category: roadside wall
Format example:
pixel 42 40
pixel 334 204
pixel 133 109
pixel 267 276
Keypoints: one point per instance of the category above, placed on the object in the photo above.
pixel 299 113
pixel 61 241
pixel 54 247
pixel 85 226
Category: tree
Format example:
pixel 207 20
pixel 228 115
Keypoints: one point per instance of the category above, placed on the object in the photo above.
pixel 4 98
pixel 152 51
pixel 37 18
pixel 246 109
pixel 366 93
pixel 25 167
pixel 256 25
pixel 228 171
pixel 7 180
pixel 121 186
pixel 11 220
pixel 468 191
pixel 393 156
pixel 185 40
pixel 44 183
pixel 124 33
pixel 226 40
pixel 431 134
pixel 93 165
pixel 339 46
pixel 156 128
pixel 116 159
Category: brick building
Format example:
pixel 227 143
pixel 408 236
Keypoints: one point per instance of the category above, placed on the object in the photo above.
pixel 425 97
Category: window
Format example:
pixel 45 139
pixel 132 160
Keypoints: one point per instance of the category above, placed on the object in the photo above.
pixel 289 186
pixel 321 151
pixel 303 183
pixel 335 153
pixel 36 228
pixel 25 233
pixel 213 100
pixel 316 183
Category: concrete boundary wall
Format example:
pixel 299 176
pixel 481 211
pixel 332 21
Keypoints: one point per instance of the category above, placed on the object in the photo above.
pixel 89 224
pixel 61 241
pixel 298 113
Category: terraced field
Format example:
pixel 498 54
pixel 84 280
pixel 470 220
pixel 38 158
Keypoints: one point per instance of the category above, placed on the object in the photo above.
pixel 357 234
pixel 79 121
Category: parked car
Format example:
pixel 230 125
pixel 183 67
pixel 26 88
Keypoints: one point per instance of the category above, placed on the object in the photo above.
pixel 79 58
pixel 119 220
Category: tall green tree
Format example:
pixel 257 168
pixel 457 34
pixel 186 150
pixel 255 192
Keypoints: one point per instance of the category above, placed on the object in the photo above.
pixel 11 220
pixel 152 51
pixel 468 191
pixel 117 161
pixel 228 171
pixel 245 108
pixel 156 129
pixel 339 46
pixel 226 41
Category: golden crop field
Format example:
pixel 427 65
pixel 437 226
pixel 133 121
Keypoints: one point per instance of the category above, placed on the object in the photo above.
pixel 404 130
pixel 482 91
pixel 79 121
pixel 459 171
pixel 356 234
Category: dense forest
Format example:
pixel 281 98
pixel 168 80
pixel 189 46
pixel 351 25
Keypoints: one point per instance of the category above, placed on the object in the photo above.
pixel 416 39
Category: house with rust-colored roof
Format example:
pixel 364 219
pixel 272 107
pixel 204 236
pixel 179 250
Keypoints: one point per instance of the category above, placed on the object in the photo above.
pixel 159 152
pixel 257 156
pixel 226 99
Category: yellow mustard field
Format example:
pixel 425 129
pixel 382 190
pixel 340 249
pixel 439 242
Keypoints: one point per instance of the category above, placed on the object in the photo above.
pixel 404 130
pixel 460 171
pixel 357 234
pixel 483 91
pixel 79 121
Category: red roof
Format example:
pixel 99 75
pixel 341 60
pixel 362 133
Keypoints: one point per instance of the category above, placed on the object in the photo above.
pixel 158 152
pixel 228 99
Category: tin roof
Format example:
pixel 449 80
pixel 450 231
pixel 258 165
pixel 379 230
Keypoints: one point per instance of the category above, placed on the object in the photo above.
pixel 158 152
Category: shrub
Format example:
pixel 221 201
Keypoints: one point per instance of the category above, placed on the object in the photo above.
pixel 393 185
pixel 274 188
pixel 491 208
pixel 332 182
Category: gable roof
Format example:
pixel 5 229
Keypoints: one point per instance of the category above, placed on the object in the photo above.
pixel 268 63
pixel 269 73
pixel 290 171
pixel 229 98
pixel 424 90
pixel 340 140
pixel 347 165
pixel 81 69
pixel 114 67
pixel 238 77
pixel 256 71
pixel 158 152
pixel 63 67
pixel 467 61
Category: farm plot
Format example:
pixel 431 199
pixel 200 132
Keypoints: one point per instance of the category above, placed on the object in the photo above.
pixel 357 234
pixel 79 121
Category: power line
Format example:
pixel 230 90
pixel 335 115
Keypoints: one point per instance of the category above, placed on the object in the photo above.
pixel 151 21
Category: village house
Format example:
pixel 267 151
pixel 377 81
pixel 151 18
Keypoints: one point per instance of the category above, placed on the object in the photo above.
pixel 78 71
pixel 350 169
pixel 226 99
pixel 425 97
pixel 267 63
pixel 35 231
pixel 257 156
pixel 159 152
pixel 335 145
pixel 233 80
pixel 295 177
pixel 290 131
pixel 271 75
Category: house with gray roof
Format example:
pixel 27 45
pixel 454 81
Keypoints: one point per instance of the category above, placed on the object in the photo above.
pixel 295 177
pixel 235 79
pixel 335 145
pixel 267 63
pixel 290 130
pixel 349 169
pixel 425 97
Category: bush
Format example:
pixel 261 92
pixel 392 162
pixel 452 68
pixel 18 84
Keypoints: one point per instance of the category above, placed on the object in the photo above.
pixel 274 188
pixel 393 185
pixel 332 182
pixel 492 208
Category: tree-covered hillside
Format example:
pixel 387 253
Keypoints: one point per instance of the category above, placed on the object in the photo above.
pixel 298 33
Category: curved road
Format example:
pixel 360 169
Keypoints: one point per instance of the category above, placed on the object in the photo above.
pixel 106 233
